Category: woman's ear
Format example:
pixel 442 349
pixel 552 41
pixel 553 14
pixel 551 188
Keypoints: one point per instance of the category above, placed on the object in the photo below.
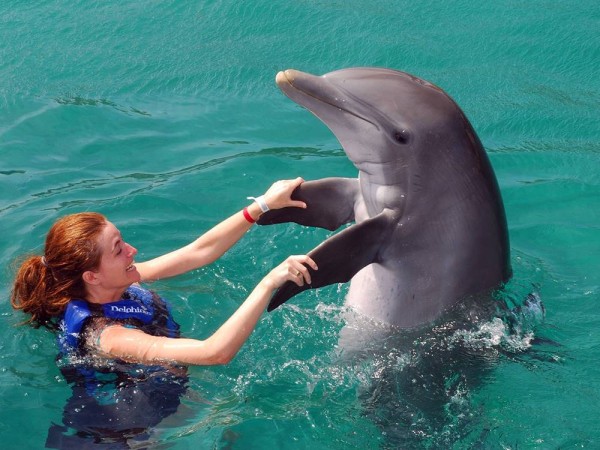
pixel 90 277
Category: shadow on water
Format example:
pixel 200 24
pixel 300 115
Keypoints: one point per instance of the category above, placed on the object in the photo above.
pixel 116 406
pixel 423 381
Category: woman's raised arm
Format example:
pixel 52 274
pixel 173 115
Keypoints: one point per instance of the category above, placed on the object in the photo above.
pixel 212 244
pixel 133 345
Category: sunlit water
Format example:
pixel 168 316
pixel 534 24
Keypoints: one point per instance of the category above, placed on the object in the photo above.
pixel 164 116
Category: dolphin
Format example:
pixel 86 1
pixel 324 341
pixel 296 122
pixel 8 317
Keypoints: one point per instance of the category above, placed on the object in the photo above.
pixel 429 223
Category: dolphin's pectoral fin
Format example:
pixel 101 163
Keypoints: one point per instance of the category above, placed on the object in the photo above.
pixel 340 257
pixel 330 204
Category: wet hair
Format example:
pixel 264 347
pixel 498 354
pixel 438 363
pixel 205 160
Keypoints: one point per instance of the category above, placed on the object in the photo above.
pixel 44 285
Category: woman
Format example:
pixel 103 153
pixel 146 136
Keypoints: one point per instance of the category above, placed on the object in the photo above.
pixel 86 259
pixel 85 286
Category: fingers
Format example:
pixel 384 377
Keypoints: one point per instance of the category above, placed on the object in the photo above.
pixel 296 182
pixel 279 195
pixel 297 204
pixel 298 270
pixel 294 268
pixel 293 185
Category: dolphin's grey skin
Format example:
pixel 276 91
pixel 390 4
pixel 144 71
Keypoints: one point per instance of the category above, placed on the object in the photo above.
pixel 430 224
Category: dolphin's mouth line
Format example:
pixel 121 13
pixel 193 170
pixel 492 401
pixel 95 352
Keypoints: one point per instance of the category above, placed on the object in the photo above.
pixel 324 101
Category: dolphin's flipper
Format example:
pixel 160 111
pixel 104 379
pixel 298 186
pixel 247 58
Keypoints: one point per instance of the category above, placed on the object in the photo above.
pixel 340 257
pixel 330 204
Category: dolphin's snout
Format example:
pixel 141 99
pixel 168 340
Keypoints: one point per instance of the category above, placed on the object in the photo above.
pixel 280 78
pixel 285 77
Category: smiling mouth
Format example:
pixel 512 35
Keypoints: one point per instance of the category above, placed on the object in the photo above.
pixel 130 268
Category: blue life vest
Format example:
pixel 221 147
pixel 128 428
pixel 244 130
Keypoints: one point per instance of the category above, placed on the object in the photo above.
pixel 139 308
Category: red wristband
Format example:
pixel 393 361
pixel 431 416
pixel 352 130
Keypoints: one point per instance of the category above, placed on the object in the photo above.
pixel 247 216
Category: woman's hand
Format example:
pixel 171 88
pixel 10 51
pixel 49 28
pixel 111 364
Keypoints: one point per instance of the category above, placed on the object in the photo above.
pixel 279 195
pixel 293 269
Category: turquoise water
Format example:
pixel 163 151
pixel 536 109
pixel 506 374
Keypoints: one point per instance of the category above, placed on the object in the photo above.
pixel 164 116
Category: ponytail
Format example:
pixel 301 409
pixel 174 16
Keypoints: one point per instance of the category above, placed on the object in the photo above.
pixel 32 293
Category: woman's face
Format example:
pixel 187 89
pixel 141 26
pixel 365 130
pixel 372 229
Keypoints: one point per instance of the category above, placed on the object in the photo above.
pixel 116 270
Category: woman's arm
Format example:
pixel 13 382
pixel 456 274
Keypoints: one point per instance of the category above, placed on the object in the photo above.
pixel 134 345
pixel 212 244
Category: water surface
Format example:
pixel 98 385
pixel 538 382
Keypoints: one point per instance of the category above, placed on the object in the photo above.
pixel 164 116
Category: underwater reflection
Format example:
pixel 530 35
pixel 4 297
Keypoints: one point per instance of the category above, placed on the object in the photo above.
pixel 423 382
pixel 116 406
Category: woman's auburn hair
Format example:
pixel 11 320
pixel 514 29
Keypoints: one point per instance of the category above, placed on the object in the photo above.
pixel 44 285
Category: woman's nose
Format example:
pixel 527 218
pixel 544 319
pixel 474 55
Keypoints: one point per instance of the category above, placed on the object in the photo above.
pixel 131 250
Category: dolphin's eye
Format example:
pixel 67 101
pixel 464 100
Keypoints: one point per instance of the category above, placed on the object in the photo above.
pixel 401 136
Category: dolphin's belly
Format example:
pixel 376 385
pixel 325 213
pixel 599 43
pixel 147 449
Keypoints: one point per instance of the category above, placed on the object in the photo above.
pixel 384 295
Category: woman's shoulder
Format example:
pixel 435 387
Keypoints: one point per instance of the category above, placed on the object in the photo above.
pixel 93 330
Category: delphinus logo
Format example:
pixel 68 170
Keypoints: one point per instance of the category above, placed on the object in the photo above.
pixel 123 311
pixel 129 310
